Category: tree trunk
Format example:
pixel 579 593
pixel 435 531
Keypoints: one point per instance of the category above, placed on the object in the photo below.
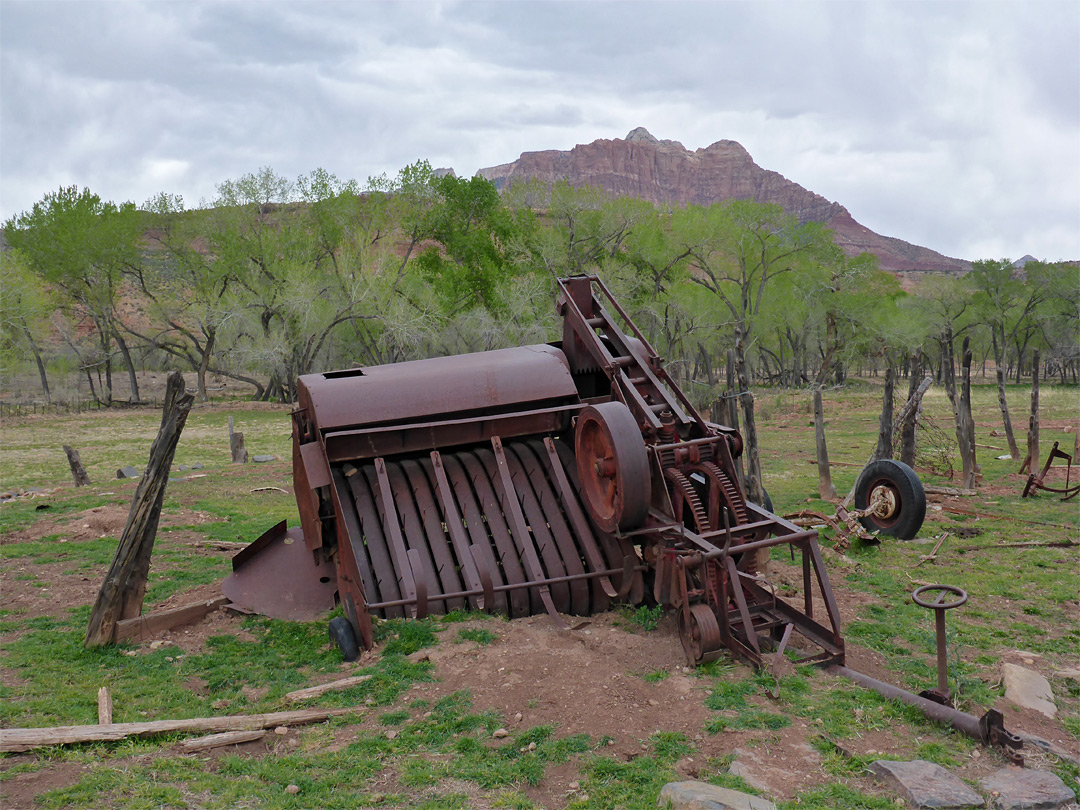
pixel 999 359
pixel 826 490
pixel 204 364
pixel 40 364
pixel 121 594
pixel 967 423
pixel 910 425
pixel 911 405
pixel 754 490
pixel 1033 419
pixel 126 355
pixel 885 431
pixel 731 402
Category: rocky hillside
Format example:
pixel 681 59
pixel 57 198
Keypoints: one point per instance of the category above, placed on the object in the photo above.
pixel 667 172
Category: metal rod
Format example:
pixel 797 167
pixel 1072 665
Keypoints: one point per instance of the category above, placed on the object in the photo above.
pixel 962 721
pixel 513 586
pixel 942 651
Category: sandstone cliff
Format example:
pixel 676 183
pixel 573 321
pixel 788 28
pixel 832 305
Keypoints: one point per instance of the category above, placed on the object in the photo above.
pixel 664 171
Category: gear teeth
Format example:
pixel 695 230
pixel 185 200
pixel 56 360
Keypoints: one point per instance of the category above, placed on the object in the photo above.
pixel 732 495
pixel 690 498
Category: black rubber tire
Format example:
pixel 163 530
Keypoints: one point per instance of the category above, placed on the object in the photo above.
pixel 341 632
pixel 905 485
pixel 766 502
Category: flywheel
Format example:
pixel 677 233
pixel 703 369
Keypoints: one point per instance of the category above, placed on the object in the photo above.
pixel 613 465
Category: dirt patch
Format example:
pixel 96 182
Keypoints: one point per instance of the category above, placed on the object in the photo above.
pixel 19 790
pixel 107 520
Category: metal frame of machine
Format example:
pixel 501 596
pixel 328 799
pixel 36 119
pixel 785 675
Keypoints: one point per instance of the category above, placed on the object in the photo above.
pixel 551 478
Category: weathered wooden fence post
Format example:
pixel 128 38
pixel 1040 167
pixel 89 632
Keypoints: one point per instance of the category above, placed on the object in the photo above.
pixel 1032 461
pixel 885 423
pixel 826 490
pixel 78 472
pixel 121 594
pixel 236 445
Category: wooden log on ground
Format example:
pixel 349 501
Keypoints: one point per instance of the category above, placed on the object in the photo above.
pixel 930 489
pixel 23 739
pixel 104 707
pixel 143 627
pixel 212 741
pixel 323 688
pixel 121 594
pixel 78 472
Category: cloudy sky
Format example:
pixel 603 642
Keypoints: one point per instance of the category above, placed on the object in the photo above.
pixel 952 125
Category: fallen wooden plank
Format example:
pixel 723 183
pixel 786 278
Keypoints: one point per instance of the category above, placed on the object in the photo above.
pixel 23 739
pixel 323 688
pixel 1034 544
pixel 219 740
pixel 931 489
pixel 933 554
pixel 144 627
pixel 104 707
pixel 837 463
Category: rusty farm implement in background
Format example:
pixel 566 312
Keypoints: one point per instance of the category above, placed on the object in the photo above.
pixel 1036 481
pixel 555 478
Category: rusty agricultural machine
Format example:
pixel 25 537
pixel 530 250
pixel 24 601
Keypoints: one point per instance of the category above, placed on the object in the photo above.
pixel 557 478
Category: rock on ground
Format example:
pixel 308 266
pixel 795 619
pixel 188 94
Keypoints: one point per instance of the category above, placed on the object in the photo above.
pixel 1025 789
pixel 926 785
pixel 702 796
pixel 1028 689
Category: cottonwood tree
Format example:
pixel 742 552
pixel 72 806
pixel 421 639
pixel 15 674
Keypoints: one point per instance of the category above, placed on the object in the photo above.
pixel 737 250
pixel 25 307
pixel 1005 305
pixel 82 247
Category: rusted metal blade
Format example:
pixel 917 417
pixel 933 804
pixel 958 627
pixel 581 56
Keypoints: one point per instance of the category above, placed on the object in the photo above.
pixel 275 576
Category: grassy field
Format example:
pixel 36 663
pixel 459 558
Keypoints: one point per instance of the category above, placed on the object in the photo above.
pixel 424 737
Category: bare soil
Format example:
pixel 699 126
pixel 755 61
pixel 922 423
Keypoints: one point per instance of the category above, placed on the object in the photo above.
pixel 590 680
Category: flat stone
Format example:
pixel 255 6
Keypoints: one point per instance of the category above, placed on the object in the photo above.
pixel 692 795
pixel 924 784
pixel 1028 689
pixel 263 459
pixel 127 472
pixel 743 771
pixel 1024 789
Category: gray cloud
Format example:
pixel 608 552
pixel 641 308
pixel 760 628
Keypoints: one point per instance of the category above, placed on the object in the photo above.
pixel 952 125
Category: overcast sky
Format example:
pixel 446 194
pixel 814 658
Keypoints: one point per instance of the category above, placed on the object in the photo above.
pixel 952 125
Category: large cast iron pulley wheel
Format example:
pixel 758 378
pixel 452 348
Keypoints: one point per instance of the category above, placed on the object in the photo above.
pixel 613 465
pixel 700 633
pixel 899 494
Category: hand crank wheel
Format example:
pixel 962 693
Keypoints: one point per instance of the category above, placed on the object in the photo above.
pixel 700 633
pixel 613 465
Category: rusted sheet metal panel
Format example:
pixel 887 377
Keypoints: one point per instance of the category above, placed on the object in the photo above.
pixel 392 440
pixel 318 471
pixel 483 382
pixel 275 576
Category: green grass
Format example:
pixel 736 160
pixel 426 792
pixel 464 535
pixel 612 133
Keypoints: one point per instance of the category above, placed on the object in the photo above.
pixel 1018 599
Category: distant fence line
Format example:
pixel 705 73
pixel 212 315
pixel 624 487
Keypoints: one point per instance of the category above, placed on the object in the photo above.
pixel 18 409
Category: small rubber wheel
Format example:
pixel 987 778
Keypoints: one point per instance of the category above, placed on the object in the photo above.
pixel 341 632
pixel 903 492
